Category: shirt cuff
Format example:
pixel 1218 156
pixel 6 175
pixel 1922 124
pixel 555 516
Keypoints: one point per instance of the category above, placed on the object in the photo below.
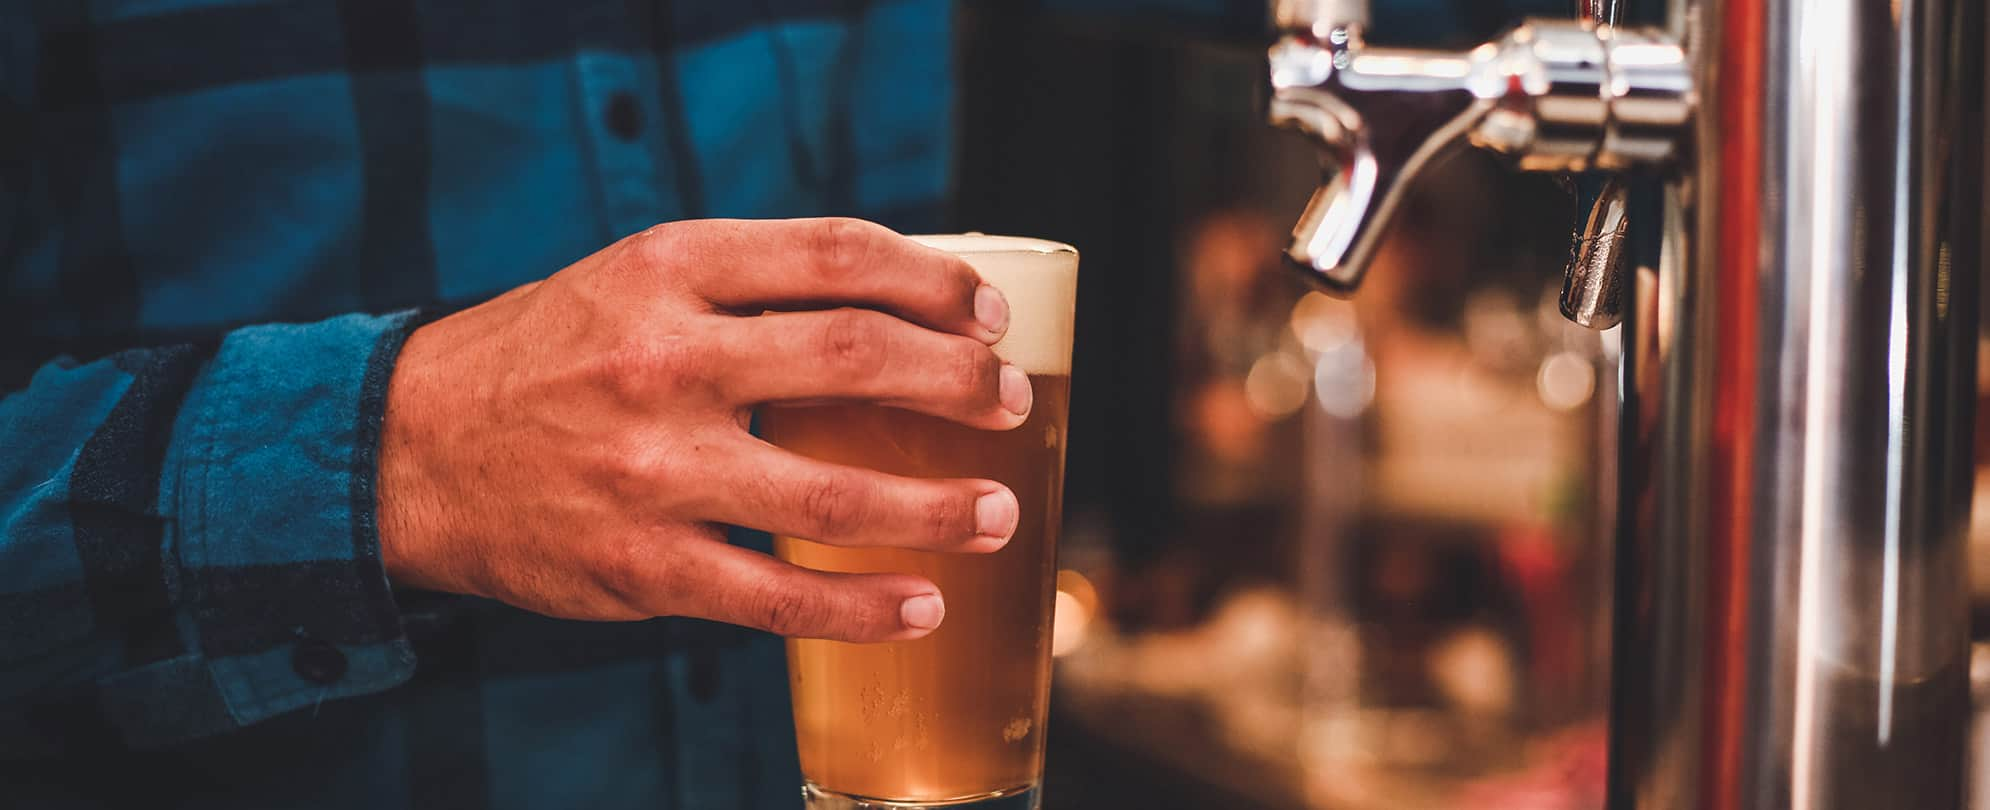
pixel 278 546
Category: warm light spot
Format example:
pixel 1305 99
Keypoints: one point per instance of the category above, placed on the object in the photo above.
pixel 1077 585
pixel 1565 381
pixel 1076 601
pixel 1344 380
pixel 1067 631
pixel 1322 323
pixel 1276 385
pixel 1474 668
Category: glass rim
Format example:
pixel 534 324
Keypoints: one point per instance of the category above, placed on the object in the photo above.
pixel 984 243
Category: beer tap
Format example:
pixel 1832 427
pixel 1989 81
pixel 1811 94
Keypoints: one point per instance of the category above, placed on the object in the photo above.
pixel 1552 95
pixel 1793 469
pixel 1593 282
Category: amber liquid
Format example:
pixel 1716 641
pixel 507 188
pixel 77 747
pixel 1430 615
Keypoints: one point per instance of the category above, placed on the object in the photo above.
pixel 958 713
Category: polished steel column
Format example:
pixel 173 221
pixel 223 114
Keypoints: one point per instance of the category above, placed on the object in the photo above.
pixel 1800 361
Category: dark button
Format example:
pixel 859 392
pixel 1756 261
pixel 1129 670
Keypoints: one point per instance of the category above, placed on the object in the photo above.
pixel 318 661
pixel 625 116
pixel 703 677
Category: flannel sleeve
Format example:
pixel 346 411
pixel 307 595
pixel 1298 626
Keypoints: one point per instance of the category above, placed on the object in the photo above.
pixel 187 535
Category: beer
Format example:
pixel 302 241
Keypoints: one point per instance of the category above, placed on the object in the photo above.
pixel 960 713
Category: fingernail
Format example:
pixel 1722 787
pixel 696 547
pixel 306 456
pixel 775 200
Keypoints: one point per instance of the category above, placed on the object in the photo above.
pixel 1016 394
pixel 991 309
pixel 996 514
pixel 922 612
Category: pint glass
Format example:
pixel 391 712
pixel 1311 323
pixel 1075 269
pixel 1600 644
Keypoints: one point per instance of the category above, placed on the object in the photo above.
pixel 955 719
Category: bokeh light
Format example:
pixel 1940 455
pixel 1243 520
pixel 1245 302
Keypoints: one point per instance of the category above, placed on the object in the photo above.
pixel 1565 381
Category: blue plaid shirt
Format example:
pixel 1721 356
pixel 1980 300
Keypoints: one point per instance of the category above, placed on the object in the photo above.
pixel 218 221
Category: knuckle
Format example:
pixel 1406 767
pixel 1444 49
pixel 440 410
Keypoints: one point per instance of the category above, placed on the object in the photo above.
pixel 641 365
pixel 625 569
pixel 832 506
pixel 627 370
pixel 644 575
pixel 681 356
pixel 787 611
pixel 635 469
pixel 655 245
pixel 972 369
pixel 955 288
pixel 843 246
pixel 628 360
pixel 852 341
pixel 950 517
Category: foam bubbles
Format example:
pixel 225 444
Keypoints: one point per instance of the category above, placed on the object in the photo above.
pixel 1040 279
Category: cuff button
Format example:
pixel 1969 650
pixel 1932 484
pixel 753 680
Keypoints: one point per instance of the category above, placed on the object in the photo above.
pixel 318 661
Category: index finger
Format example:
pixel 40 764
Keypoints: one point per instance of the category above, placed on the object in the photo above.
pixel 752 266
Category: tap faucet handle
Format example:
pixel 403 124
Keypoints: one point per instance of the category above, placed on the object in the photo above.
pixel 1377 117
pixel 1593 288
pixel 1337 234
pixel 1551 95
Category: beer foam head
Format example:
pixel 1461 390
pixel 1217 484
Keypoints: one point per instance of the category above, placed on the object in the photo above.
pixel 1040 279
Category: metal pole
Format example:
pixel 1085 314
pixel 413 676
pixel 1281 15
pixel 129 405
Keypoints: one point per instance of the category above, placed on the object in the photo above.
pixel 1792 624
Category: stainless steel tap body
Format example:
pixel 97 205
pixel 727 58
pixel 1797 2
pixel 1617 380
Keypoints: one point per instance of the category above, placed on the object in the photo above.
pixel 1792 626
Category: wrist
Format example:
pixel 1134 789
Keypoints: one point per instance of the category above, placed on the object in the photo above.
pixel 409 506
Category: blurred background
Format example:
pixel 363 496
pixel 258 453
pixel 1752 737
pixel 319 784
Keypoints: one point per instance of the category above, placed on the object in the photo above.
pixel 1318 553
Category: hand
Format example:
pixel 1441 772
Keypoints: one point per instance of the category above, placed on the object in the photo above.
pixel 576 446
